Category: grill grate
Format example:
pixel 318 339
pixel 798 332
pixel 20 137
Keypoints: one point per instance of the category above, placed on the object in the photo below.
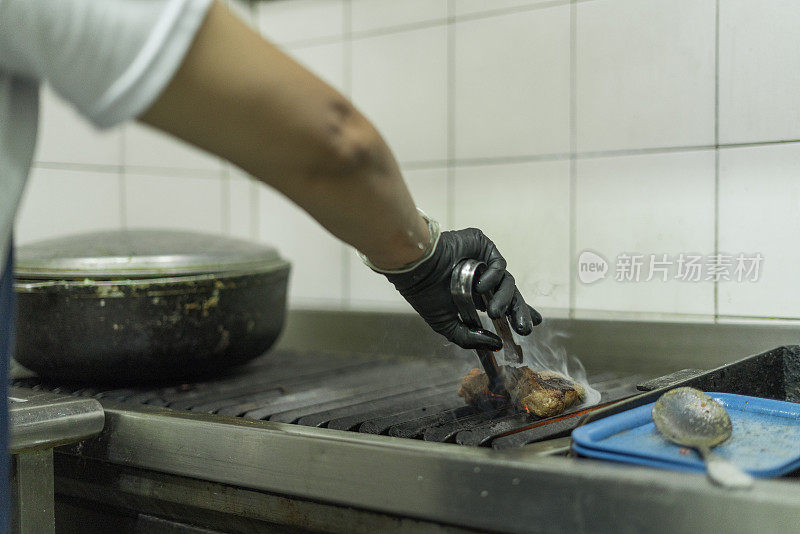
pixel 412 399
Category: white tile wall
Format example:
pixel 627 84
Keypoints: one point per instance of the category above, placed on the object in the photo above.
pixel 66 137
pixel 61 202
pixel 645 74
pixel 146 147
pixel 369 290
pixel 316 256
pixel 243 9
pixel 243 208
pixel 288 21
pixel 759 194
pixel 758 50
pixel 642 78
pixel 473 7
pixel 178 202
pixel 400 82
pixel 512 84
pixel 762 321
pixel 524 209
pixel 646 204
pixel 326 61
pixel 375 14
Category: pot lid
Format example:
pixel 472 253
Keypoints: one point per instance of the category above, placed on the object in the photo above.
pixel 141 254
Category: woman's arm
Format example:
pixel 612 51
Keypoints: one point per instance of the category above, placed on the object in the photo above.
pixel 238 96
pixel 241 98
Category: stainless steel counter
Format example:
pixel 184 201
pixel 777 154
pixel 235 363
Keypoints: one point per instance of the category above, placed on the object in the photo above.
pixel 475 488
pixel 652 348
pixel 38 422
pixel 39 419
pixel 435 485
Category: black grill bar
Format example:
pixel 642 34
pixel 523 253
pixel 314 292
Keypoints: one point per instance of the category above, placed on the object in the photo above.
pixel 278 378
pixel 415 428
pixel 375 379
pixel 389 407
pixel 409 398
pixel 446 431
pixel 481 434
pixel 382 424
pixel 255 394
pixel 359 407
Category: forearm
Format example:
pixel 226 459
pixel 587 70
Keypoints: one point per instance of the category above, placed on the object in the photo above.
pixel 241 98
pixel 355 190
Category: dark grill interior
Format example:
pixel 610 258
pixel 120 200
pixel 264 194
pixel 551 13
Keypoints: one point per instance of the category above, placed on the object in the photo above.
pixel 408 398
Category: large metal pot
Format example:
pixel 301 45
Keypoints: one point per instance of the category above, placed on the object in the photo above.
pixel 146 305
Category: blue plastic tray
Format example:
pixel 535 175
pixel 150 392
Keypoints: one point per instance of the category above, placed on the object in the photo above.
pixel 765 440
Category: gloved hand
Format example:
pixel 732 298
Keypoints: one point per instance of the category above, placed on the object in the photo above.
pixel 427 289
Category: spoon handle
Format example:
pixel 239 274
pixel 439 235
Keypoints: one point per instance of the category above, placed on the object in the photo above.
pixel 722 472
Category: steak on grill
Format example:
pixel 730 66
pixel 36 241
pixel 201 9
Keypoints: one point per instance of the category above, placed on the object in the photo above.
pixel 543 393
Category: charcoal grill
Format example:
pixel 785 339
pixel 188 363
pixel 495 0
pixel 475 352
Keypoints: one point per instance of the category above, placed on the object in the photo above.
pixel 413 399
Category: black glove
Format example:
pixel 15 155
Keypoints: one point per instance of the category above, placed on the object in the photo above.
pixel 427 289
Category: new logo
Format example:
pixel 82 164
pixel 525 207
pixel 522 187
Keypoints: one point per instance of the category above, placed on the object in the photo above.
pixel 591 267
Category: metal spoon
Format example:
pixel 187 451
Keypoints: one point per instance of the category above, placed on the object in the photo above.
pixel 691 418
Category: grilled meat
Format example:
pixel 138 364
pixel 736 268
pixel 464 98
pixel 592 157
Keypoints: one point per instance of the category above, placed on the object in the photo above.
pixel 474 387
pixel 542 393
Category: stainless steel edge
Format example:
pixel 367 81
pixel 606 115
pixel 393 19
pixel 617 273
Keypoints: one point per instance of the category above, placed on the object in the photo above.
pixel 32 486
pixel 141 253
pixel 38 419
pixel 32 285
pixel 507 491
pixel 648 348
pixel 91 485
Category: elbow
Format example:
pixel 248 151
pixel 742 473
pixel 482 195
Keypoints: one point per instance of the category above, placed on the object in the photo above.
pixel 351 146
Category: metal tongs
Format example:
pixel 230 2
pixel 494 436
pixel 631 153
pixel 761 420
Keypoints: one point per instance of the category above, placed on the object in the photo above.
pixel 465 275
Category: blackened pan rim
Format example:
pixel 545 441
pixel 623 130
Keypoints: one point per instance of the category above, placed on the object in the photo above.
pixel 141 253
pixel 31 283
pixel 260 267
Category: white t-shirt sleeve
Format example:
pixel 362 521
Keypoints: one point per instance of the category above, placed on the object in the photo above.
pixel 109 58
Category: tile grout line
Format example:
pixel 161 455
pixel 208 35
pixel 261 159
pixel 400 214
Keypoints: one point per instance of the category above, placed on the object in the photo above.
pixel 255 206
pixel 510 10
pixel 186 172
pixel 573 175
pixel 252 196
pixel 347 78
pixel 255 194
pixel 171 172
pixel 499 160
pixel 225 181
pixel 123 201
pixel 716 228
pixel 225 200
pixel 123 182
pixel 227 213
pixel 761 317
pixel 430 23
pixel 451 117
pixel 716 154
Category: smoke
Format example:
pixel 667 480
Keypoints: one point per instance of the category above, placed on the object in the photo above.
pixel 544 350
